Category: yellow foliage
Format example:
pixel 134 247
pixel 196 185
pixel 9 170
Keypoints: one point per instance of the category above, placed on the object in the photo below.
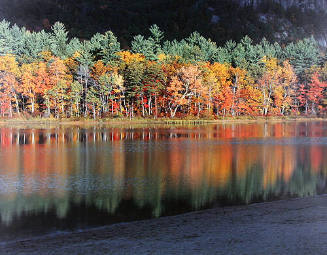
pixel 221 72
pixel 129 57
pixel 9 64
pixel 99 69
pixel 162 57
pixel 46 55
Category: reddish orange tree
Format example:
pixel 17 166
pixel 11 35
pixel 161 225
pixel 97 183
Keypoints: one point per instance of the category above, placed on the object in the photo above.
pixel 28 87
pixel 9 75
pixel 316 93
pixel 183 87
pixel 57 94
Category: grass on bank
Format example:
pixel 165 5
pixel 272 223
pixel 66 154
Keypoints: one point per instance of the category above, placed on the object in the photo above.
pixel 145 121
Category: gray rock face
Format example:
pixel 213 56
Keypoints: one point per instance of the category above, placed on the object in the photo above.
pixel 303 4
pixel 215 19
pixel 283 31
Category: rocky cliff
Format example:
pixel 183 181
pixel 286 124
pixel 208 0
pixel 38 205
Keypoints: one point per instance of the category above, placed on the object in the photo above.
pixel 302 4
pixel 309 8
pixel 221 20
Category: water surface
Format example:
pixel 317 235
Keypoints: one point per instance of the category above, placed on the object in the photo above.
pixel 66 178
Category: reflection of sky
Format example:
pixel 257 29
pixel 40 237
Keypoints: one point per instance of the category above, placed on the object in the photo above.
pixel 53 168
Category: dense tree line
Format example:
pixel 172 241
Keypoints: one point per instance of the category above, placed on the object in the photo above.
pixel 50 74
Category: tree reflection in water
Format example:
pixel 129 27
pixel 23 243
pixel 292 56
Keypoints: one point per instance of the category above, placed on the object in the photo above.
pixel 90 176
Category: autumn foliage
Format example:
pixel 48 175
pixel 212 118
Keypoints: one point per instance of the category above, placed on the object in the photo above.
pixel 191 78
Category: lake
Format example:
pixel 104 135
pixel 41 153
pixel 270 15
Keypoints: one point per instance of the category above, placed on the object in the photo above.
pixel 69 177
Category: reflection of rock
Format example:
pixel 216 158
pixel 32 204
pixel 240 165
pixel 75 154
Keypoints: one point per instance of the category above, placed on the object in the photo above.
pixel 321 184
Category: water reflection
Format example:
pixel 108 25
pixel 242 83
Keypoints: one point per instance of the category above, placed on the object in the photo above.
pixel 85 176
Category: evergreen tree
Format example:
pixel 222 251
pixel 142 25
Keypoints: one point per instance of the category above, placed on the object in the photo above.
pixel 59 40
pixel 5 37
pixel 302 55
pixel 150 47
pixel 105 47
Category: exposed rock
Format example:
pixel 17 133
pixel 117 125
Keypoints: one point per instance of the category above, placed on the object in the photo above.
pixel 263 18
pixel 215 19
pixel 302 4
pixel 322 40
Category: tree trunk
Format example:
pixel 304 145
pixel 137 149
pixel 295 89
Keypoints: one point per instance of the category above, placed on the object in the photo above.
pixel 209 102
pixel 48 107
pixel 173 111
pixel 156 106
pixel 33 109
pixel 142 107
pixel 10 110
pixel 17 105
pixel 94 113
pixel 150 105
pixel 77 109
pixel 85 101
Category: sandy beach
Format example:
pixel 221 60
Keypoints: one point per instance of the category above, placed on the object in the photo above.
pixel 295 226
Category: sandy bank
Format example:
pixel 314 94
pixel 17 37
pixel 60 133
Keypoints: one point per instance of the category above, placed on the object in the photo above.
pixel 297 226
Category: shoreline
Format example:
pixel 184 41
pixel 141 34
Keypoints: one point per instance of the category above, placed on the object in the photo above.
pixel 115 122
pixel 292 226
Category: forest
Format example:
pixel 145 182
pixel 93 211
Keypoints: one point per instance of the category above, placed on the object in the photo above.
pixel 50 74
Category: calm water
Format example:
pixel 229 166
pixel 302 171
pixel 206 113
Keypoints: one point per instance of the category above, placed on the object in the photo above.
pixel 70 178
